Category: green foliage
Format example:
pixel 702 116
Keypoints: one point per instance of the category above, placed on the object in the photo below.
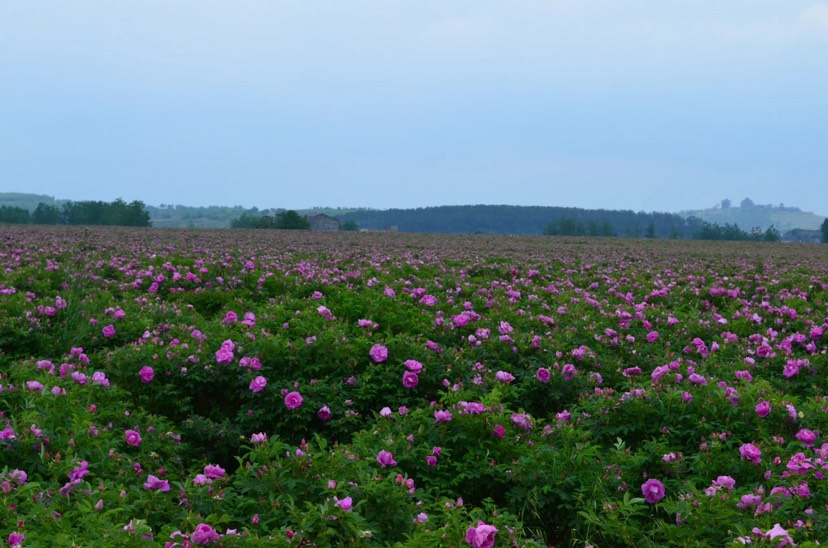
pixel 518 220
pixel 291 220
pixel 772 235
pixel 253 220
pixel 118 213
pixel 14 215
pixel 286 220
pixel 46 214
pixel 728 232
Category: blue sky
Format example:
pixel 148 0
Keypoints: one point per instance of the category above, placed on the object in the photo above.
pixel 619 104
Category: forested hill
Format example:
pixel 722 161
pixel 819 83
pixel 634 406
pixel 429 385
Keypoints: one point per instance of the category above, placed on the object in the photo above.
pixel 506 219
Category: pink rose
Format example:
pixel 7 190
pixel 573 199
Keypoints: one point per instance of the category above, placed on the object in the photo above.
pixel 806 436
pixel 504 376
pixel 204 534
pixel 224 355
pixel 414 366
pixel 482 536
pixel 378 353
pixel 653 490
pixel 157 484
pixel 146 373
pixel 750 452
pixel 214 471
pixel 346 504
pixel 133 438
pixel 410 379
pixel 258 384
pixel 385 459
pixel 293 400
pixel 762 409
pixel 324 413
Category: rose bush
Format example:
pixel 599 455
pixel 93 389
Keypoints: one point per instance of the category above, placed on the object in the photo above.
pixel 216 388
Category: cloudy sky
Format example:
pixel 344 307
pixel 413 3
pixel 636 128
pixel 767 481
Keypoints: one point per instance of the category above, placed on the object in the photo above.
pixel 654 105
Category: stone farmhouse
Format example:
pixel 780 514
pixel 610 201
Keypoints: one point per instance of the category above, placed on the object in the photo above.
pixel 320 221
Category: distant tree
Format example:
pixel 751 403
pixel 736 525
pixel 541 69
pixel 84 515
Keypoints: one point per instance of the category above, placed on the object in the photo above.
pixel 564 226
pixel 674 233
pixel 291 220
pixel 244 221
pixel 250 220
pixel 570 227
pixel 117 213
pixel 730 232
pixel 136 214
pixel 650 233
pixel 747 202
pixel 592 228
pixel 824 229
pixel 633 230
pixel 14 215
pixel 349 226
pixel 45 214
pixel 84 213
pixel 607 230
pixel 726 204
pixel 120 213
pixel 772 235
pixel 734 233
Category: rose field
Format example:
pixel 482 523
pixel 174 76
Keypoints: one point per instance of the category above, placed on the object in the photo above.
pixel 289 388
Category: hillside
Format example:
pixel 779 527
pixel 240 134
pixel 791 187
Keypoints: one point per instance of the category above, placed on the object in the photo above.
pixel 27 201
pixel 749 215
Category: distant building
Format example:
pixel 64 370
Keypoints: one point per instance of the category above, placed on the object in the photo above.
pixel 391 228
pixel 320 221
pixel 802 235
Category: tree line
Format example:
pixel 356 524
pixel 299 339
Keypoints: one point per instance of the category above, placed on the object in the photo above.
pixel 551 221
pixel 566 226
pixel 285 220
pixel 117 213
pixel 732 232
pixel 506 219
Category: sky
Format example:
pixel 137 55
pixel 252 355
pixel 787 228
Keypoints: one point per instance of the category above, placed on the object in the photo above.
pixel 648 105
